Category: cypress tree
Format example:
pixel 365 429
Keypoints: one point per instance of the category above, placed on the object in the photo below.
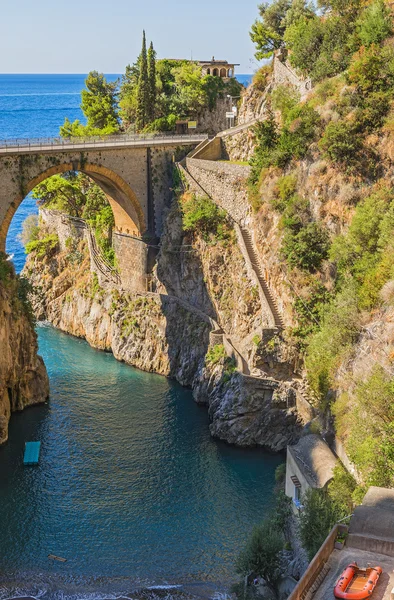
pixel 152 82
pixel 143 89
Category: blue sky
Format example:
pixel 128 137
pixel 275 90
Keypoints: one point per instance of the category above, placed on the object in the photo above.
pixel 76 36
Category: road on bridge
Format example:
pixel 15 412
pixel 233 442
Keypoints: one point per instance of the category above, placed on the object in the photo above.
pixel 27 146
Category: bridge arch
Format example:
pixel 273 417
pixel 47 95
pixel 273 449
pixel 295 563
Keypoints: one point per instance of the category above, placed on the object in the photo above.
pixel 128 213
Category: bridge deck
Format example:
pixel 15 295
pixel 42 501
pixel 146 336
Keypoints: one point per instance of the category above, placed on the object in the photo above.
pixel 26 146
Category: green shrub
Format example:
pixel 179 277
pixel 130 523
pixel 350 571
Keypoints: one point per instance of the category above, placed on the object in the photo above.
pixel 30 230
pixel 278 148
pixel 305 39
pixel 261 554
pixel 366 251
pixel 280 473
pixel 260 78
pixel 342 144
pixel 44 247
pixel 202 215
pixel 215 354
pixel 375 24
pixel 318 517
pixel 367 420
pixel 341 489
pixel 310 310
pixel 296 136
pixel 372 69
pixel 319 47
pixel 284 98
pixel 307 248
pixel 329 345
pixel 284 191
pixel 266 137
pixel 372 111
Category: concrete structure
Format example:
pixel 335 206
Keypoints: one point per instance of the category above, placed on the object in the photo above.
pixel 310 464
pixel 369 542
pixel 134 172
pixel 372 525
pixel 218 68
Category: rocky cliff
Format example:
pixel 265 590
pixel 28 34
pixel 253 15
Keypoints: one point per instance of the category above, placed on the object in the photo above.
pixel 198 285
pixel 23 377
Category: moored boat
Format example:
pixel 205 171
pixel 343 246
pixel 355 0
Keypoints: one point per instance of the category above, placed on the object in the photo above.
pixel 357 584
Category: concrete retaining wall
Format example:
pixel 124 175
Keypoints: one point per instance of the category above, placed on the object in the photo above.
pixel 370 544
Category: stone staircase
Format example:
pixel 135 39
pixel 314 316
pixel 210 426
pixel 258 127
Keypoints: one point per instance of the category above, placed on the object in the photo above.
pixel 248 247
pixel 99 262
pixel 254 259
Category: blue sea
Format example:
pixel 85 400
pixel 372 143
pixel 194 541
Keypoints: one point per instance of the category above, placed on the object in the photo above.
pixel 131 489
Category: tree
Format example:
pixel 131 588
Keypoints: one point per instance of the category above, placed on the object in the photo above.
pixel 190 90
pixel 29 230
pixel 99 105
pixel 128 94
pixel 152 81
pixel 343 8
pixel 62 192
pixel 143 92
pixel 260 555
pixel 267 33
pixel 375 23
pixel 300 9
pixel 318 517
pixel 99 102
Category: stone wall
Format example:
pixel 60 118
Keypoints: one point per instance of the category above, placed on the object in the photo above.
pixel 225 183
pixel 161 172
pixel 285 74
pixel 132 256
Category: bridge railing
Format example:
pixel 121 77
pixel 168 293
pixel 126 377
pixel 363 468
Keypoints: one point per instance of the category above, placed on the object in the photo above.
pixel 110 140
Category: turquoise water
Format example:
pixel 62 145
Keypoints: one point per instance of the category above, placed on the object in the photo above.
pixel 130 483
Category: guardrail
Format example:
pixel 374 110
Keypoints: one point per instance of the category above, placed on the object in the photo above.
pixel 24 144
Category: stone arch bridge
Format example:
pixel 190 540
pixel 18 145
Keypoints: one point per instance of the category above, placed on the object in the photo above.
pixel 135 172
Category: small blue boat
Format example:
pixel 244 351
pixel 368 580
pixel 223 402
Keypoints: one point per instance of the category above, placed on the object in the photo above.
pixel 32 453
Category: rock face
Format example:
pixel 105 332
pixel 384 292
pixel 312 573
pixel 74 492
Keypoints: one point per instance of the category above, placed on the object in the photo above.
pixel 245 410
pixel 23 377
pixel 168 332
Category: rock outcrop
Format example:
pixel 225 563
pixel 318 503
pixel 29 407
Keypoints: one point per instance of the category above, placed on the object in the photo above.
pixel 23 377
pixel 168 332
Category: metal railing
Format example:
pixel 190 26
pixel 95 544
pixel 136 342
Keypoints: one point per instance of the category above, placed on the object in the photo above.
pixel 24 144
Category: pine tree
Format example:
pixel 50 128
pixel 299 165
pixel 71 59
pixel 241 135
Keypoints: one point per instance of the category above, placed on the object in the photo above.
pixel 152 82
pixel 143 89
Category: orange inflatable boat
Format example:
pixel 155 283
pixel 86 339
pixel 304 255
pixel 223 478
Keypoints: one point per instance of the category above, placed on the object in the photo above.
pixel 357 584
